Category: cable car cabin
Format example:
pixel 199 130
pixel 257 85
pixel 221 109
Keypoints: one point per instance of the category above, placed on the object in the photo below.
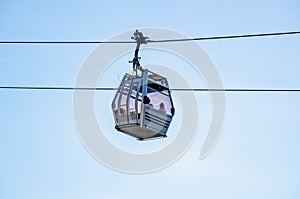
pixel 143 106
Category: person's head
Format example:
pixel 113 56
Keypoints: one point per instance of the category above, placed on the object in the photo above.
pixel 162 105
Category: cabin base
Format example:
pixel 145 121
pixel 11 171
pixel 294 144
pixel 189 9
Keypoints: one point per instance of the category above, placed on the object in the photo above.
pixel 138 132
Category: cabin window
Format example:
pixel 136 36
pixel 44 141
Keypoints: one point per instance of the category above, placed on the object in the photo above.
pixel 159 99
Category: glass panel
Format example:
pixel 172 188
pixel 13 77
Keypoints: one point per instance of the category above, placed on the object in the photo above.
pixel 132 110
pixel 115 107
pixel 139 105
pixel 123 105
pixel 159 100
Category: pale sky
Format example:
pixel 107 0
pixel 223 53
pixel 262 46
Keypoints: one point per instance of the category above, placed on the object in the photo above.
pixel 257 155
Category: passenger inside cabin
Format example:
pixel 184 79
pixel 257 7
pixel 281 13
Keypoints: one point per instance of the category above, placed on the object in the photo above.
pixel 162 108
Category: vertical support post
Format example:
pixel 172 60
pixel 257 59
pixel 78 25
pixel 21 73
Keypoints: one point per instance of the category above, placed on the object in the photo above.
pixel 144 93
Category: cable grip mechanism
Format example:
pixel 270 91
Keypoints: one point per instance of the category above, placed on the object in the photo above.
pixel 140 39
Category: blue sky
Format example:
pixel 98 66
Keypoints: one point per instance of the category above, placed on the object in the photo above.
pixel 258 153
